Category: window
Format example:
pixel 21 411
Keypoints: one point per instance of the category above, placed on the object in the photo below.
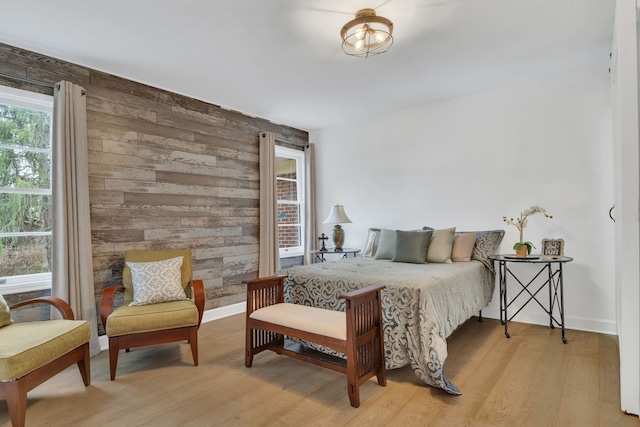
pixel 25 190
pixel 290 190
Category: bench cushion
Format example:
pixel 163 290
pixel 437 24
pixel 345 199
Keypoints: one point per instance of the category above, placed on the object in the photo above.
pixel 30 345
pixel 153 317
pixel 319 321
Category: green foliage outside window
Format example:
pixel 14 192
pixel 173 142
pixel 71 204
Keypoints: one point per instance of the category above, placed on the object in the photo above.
pixel 25 170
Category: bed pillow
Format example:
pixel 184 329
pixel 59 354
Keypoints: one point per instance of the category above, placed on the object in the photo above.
pixel 386 244
pixel 412 246
pixel 373 238
pixel 463 244
pixel 487 244
pixel 5 314
pixel 441 245
pixel 155 282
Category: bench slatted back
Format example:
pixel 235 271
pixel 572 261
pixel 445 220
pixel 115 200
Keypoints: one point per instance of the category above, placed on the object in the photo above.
pixel 364 313
pixel 264 293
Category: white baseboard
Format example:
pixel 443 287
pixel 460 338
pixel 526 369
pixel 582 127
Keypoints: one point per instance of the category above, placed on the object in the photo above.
pixel 222 312
pixel 579 324
pixel 589 325
pixel 207 316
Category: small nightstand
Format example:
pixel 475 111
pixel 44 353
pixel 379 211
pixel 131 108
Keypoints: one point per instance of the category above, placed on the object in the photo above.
pixel 344 253
pixel 554 281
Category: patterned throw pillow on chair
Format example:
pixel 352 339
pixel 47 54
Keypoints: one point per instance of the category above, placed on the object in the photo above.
pixel 5 315
pixel 155 282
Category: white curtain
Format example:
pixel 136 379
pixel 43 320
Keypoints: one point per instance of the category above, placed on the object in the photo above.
pixel 72 270
pixel 269 261
pixel 311 236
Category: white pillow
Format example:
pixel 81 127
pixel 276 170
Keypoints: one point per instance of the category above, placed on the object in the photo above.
pixel 371 246
pixel 155 282
pixel 441 245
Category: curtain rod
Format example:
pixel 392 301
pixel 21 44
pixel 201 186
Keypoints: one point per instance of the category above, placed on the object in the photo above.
pixel 297 144
pixel 28 80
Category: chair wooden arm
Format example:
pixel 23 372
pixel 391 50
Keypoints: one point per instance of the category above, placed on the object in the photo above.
pixel 61 305
pixel 106 302
pixel 198 297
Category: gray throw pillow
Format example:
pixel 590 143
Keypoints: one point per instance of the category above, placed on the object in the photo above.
pixel 386 244
pixel 412 246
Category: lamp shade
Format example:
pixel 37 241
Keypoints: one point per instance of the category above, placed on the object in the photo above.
pixel 337 216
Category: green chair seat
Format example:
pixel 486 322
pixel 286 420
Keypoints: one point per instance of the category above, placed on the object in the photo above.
pixel 153 317
pixel 30 345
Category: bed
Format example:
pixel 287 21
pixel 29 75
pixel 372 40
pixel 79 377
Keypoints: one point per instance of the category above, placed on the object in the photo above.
pixel 422 303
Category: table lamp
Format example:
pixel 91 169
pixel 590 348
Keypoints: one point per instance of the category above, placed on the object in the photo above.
pixel 337 216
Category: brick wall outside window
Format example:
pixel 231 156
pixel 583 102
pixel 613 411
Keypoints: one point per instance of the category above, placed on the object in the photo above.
pixel 288 236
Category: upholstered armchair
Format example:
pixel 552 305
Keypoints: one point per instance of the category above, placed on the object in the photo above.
pixel 33 352
pixel 161 303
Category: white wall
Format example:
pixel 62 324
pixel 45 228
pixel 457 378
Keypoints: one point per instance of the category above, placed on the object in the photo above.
pixel 468 161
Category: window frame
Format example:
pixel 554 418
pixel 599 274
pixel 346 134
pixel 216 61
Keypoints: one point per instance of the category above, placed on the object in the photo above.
pixel 299 157
pixel 40 102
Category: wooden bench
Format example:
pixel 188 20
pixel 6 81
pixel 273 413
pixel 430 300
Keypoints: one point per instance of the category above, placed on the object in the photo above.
pixel 357 332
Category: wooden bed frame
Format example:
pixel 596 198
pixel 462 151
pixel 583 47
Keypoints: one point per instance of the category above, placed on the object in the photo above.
pixel 363 346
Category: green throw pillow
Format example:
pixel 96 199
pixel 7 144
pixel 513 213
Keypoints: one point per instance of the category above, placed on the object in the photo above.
pixel 5 315
pixel 386 244
pixel 412 246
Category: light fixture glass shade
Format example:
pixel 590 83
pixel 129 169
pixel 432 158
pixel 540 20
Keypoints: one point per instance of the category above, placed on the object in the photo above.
pixel 367 34
pixel 337 216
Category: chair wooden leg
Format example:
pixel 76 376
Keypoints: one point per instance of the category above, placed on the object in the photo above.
pixel 193 340
pixel 16 395
pixel 248 347
pixel 85 365
pixel 114 349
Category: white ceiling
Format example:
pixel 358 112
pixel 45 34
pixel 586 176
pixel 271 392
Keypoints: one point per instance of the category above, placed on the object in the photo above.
pixel 281 59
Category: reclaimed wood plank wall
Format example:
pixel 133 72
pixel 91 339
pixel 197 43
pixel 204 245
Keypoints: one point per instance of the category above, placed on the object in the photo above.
pixel 165 171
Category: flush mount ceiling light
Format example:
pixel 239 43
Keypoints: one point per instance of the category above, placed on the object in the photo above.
pixel 366 35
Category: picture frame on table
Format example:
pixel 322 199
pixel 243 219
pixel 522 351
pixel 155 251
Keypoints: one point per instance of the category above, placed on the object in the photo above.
pixel 552 248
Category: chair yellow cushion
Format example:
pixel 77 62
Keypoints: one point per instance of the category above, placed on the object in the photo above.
pixel 30 345
pixel 127 320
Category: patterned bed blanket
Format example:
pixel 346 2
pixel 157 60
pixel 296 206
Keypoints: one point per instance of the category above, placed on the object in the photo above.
pixel 422 304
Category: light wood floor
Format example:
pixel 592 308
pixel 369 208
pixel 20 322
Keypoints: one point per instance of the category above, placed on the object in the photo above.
pixel 531 379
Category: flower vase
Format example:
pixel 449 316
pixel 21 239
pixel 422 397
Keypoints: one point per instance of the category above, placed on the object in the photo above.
pixel 521 251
